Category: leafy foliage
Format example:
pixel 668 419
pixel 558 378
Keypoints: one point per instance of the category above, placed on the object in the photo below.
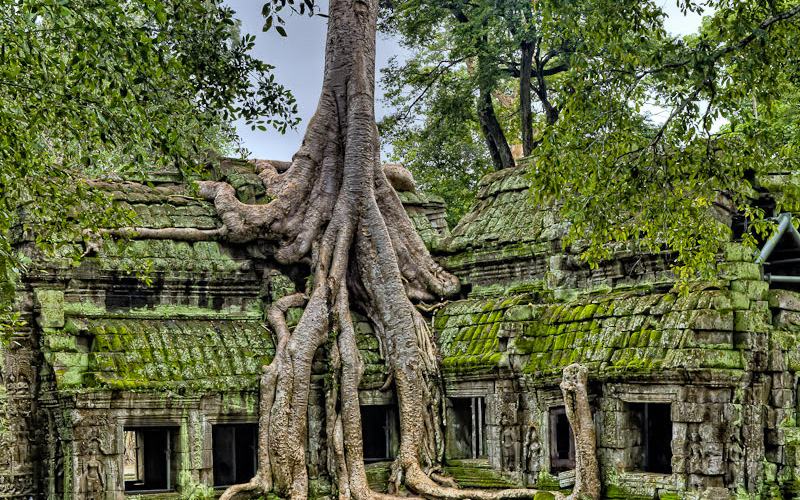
pixel 622 174
pixel 90 87
pixel 663 185
pixel 488 56
pixel 445 150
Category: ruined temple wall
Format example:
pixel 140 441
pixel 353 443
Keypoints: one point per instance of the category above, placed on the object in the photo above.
pixel 97 426
pixel 22 435
pixel 723 356
pixel 715 440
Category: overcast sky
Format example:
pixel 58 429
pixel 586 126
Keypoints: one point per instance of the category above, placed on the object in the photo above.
pixel 299 57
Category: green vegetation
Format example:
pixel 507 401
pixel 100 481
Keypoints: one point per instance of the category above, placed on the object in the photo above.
pixel 599 69
pixel 93 88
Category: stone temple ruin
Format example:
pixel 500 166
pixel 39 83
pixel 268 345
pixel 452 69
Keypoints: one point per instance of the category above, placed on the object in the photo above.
pixel 118 387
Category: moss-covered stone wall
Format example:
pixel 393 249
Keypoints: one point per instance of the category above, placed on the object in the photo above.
pixel 107 350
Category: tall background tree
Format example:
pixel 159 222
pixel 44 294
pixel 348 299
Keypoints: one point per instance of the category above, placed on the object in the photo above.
pixel 443 148
pixel 598 71
pixel 498 68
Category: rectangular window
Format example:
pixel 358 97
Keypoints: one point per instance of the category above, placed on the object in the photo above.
pixel 562 442
pixel 466 428
pixel 652 423
pixel 378 431
pixel 234 451
pixel 148 459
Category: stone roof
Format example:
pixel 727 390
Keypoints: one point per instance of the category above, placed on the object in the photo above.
pixel 534 307
pixel 198 324
pixel 622 331
pixel 148 353
pixel 507 241
pixel 504 213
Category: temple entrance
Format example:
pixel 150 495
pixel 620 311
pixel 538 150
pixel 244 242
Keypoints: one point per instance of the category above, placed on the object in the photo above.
pixel 653 424
pixel 148 459
pixel 379 428
pixel 234 451
pixel 466 428
pixel 562 441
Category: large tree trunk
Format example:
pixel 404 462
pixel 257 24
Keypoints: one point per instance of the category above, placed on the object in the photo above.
pixel 335 205
pixel 525 111
pixel 496 141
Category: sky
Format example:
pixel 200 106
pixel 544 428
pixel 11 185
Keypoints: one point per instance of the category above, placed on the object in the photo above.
pixel 299 58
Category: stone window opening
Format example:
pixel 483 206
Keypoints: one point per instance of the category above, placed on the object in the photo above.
pixel 562 441
pixel 234 449
pixel 148 459
pixel 466 428
pixel 379 432
pixel 652 427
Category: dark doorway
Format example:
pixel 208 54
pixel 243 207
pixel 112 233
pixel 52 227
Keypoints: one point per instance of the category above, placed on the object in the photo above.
pixel 378 430
pixel 562 441
pixel 466 428
pixel 148 459
pixel 654 423
pixel 234 450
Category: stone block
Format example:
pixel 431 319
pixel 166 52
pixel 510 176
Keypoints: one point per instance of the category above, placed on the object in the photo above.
pixel 715 493
pixel 664 305
pixel 742 270
pixel 737 252
pixel 711 337
pixel 678 464
pixel 787 320
pixel 509 330
pixel 69 378
pixel 60 342
pixel 754 289
pixel 519 313
pixel 730 412
pixel 793 360
pixel 782 380
pixel 752 321
pixel 676 320
pixel 776 360
pixel 784 299
pixel 688 412
pixel 709 319
pixel 738 300
pixel 715 395
pixel 714 464
pixel 50 304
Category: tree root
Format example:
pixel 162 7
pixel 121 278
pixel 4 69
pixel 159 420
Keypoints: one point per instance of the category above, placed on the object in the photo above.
pixel 420 483
pixel 334 205
pixel 579 413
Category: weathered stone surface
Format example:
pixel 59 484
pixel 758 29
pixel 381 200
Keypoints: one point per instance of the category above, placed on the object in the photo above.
pixel 713 370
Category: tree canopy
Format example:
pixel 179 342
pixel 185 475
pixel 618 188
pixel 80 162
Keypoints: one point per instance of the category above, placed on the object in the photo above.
pixel 658 183
pixel 94 87
pixel 618 172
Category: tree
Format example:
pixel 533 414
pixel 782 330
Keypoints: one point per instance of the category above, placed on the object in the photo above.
pixel 94 88
pixel 621 174
pixel 499 65
pixel 334 205
pixel 510 45
pixel 623 179
pixel 444 150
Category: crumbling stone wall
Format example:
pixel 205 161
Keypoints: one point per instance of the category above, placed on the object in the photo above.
pixel 721 356
pixel 105 352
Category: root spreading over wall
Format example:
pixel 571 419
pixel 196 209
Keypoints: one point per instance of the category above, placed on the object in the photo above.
pixel 334 205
